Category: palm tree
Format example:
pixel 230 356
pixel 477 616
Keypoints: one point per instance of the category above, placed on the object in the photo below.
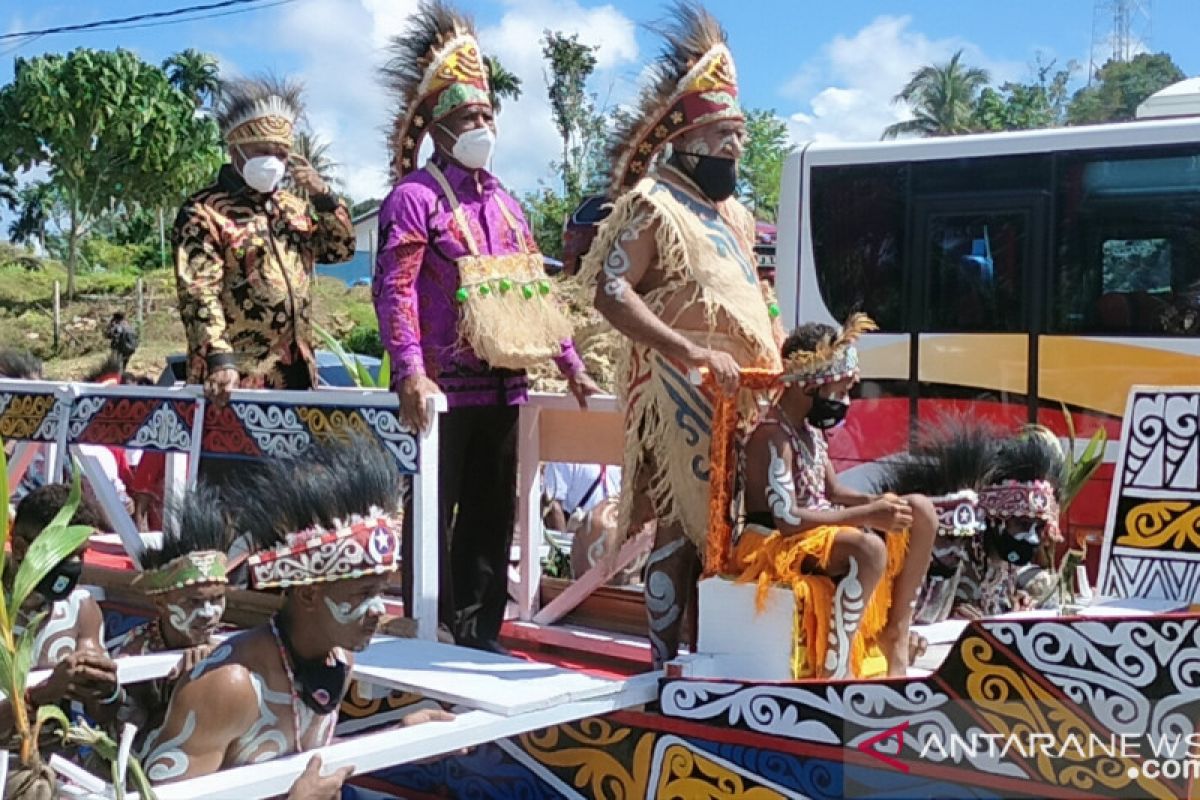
pixel 33 214
pixel 9 196
pixel 315 150
pixel 194 73
pixel 501 83
pixel 942 98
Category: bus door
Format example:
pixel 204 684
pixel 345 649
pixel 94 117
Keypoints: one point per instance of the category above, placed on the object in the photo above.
pixel 977 261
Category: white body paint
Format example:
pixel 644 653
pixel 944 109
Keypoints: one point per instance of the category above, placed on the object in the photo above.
pixel 56 640
pixel 848 605
pixel 343 614
pixel 781 488
pixel 618 263
pixel 207 614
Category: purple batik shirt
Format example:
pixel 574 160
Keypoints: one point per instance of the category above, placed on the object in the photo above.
pixel 416 280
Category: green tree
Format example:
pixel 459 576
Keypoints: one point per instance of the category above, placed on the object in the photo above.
pixel 571 63
pixel 33 213
pixel 112 131
pixel 9 194
pixel 1025 106
pixel 942 98
pixel 546 210
pixel 761 168
pixel 502 84
pixel 195 74
pixel 1120 86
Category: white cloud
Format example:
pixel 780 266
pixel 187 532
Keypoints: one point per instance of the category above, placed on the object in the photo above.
pixel 341 46
pixel 862 73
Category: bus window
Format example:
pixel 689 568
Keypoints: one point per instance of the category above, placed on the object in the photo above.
pixel 858 240
pixel 1128 245
pixel 974 264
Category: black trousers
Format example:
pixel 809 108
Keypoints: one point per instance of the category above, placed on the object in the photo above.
pixel 477 506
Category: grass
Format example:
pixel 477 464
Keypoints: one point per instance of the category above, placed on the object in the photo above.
pixel 27 301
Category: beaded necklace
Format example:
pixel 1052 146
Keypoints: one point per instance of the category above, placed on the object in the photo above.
pixel 809 463
pixel 295 694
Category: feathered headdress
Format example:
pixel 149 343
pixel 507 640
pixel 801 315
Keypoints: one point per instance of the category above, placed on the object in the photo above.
pixel 1030 473
pixel 262 109
pixel 193 546
pixel 952 461
pixel 693 82
pixel 833 359
pixel 330 514
pixel 435 68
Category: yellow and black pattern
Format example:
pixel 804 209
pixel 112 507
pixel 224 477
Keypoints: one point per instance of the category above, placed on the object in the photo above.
pixel 243 266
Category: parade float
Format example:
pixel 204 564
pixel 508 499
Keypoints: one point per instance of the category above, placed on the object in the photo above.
pixel 1101 703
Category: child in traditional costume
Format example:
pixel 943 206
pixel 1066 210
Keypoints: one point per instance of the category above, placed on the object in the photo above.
pixel 673 269
pixel 854 561
pixel 998 503
pixel 464 308
pixel 327 528
pixel 184 577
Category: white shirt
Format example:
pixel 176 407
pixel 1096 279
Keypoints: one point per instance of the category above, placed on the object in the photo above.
pixel 569 483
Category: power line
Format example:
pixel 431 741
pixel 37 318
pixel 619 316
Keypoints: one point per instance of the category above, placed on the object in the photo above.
pixel 107 23
pixel 265 4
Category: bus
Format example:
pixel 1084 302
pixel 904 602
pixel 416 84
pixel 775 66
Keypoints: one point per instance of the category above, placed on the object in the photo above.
pixel 1011 275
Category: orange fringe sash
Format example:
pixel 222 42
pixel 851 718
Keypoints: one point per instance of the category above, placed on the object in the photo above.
pixel 777 559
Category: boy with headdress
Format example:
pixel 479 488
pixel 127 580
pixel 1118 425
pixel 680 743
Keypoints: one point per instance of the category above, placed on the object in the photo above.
pixel 998 503
pixel 184 577
pixel 464 308
pixel 674 270
pixel 328 532
pixel 804 527
pixel 245 249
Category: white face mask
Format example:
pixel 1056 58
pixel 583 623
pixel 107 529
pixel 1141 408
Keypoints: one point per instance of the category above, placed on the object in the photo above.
pixel 263 173
pixel 473 149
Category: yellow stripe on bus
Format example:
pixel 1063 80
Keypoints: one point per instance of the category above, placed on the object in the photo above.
pixel 1097 375
pixel 999 362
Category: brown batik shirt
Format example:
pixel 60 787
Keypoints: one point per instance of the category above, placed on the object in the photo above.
pixel 244 267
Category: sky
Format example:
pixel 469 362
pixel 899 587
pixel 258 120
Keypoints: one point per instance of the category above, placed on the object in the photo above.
pixel 831 68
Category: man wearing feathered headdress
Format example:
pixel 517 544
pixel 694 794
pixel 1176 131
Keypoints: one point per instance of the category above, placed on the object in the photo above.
pixel 184 576
pixel 245 249
pixel 674 270
pixel 806 528
pixel 326 529
pixel 464 308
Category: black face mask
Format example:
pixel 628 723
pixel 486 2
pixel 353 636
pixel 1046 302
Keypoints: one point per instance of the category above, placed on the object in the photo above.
pixel 716 176
pixel 1011 549
pixel 319 683
pixel 827 413
pixel 61 581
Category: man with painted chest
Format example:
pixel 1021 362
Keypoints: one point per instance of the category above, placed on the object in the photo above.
pixel 245 249
pixel 326 530
pixel 464 309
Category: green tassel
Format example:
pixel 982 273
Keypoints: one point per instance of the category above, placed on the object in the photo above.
pixel 773 310
pixel 505 286
pixel 527 291
pixel 462 295
pixel 485 290
pixel 544 287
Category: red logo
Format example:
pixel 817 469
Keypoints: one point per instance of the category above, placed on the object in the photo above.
pixel 897 731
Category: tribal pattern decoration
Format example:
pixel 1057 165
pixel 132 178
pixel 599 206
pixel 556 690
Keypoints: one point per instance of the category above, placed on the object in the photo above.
pixel 277 429
pixel 31 415
pixel 361 546
pixel 1152 541
pixel 1023 500
pixel 848 605
pixel 139 422
pixel 191 569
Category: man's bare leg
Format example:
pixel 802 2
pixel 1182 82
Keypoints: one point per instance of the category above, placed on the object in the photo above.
pixel 670 580
pixel 894 638
pixel 858 560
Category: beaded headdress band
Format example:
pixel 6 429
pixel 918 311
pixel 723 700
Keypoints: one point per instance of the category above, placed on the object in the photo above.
pixel 363 545
pixel 191 569
pixel 259 110
pixel 835 358
pixel 1023 500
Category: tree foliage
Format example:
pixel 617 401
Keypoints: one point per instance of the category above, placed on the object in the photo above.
pixel 761 168
pixel 1120 86
pixel 111 129
pixel 34 204
pixel 195 74
pixel 1041 103
pixel 546 210
pixel 315 150
pixel 942 98
pixel 581 127
pixel 502 84
pixel 9 194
